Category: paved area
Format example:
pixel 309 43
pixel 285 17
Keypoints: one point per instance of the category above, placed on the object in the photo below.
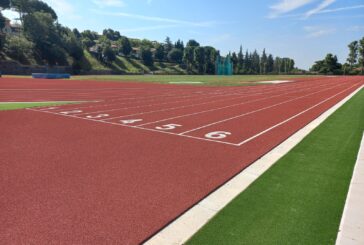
pixel 352 224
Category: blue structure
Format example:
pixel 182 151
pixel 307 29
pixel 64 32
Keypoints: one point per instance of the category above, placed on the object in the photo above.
pixel 51 75
pixel 224 66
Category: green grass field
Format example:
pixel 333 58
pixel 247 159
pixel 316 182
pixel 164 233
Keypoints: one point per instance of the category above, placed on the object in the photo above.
pixel 299 200
pixel 237 80
pixel 16 106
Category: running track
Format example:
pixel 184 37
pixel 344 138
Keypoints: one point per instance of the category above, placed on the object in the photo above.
pixel 121 166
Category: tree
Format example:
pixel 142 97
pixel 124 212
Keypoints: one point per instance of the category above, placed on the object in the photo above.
pixel 270 64
pixel 168 45
pixel 76 33
pixel 263 63
pixel 240 59
pixel 126 46
pixel 111 34
pixel 147 56
pixel 234 60
pixel 87 42
pixel 19 48
pixel 175 55
pixel 353 53
pixel 188 57
pixel 361 55
pixel 25 7
pixel 159 52
pixel 210 59
pixel 179 45
pixel 108 54
pixel 329 65
pixel 40 28
pixel 4 4
pixel 199 59
pixel 90 34
pixel 192 43
pixel 255 62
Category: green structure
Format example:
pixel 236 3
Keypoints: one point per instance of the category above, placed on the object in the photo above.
pixel 224 66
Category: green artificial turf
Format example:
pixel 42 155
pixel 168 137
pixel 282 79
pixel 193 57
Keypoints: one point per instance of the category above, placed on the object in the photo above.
pixel 16 106
pixel 299 200
pixel 237 80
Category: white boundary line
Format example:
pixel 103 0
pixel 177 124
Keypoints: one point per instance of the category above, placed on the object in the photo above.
pixel 352 221
pixel 185 226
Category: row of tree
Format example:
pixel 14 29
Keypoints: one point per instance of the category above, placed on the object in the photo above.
pixel 48 42
pixel 353 66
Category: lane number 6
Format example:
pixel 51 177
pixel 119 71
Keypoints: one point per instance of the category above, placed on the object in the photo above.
pixel 217 135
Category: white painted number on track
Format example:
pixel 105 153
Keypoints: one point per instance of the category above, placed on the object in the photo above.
pixel 51 108
pixel 217 135
pixel 131 121
pixel 168 127
pixel 98 116
pixel 70 112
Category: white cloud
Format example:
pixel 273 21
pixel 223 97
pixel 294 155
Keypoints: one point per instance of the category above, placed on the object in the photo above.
pixel 341 9
pixel 109 3
pixel 158 19
pixel 318 31
pixel 286 6
pixel 147 28
pixel 319 8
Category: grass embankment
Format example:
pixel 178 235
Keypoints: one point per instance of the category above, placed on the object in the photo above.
pixel 129 66
pixel 16 106
pixel 299 200
pixel 237 80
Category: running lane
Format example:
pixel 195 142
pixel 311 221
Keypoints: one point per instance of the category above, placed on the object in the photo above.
pixel 68 180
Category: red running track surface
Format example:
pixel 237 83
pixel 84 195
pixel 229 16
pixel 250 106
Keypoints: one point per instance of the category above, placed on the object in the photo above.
pixel 69 179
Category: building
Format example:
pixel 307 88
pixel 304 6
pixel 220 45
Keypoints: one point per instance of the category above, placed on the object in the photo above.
pixel 12 28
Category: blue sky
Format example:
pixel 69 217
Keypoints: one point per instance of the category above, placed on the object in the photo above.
pixel 305 30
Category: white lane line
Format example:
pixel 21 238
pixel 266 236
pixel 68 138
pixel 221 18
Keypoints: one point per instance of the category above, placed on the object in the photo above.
pixel 225 94
pixel 255 111
pixel 243 95
pixel 193 94
pixel 224 107
pixel 245 91
pixel 188 106
pixel 129 126
pixel 190 222
pixel 293 117
pixel 142 106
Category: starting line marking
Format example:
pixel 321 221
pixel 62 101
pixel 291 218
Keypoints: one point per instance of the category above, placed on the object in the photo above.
pixel 215 136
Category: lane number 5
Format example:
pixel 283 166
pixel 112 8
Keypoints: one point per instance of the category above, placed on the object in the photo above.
pixel 168 127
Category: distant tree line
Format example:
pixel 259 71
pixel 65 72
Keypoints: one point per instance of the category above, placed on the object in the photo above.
pixel 45 41
pixel 353 66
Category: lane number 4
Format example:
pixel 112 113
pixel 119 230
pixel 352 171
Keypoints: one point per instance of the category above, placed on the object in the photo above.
pixel 70 112
pixel 98 116
pixel 131 121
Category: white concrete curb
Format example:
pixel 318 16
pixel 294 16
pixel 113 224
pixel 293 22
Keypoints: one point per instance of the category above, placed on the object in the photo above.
pixel 184 227
pixel 351 231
